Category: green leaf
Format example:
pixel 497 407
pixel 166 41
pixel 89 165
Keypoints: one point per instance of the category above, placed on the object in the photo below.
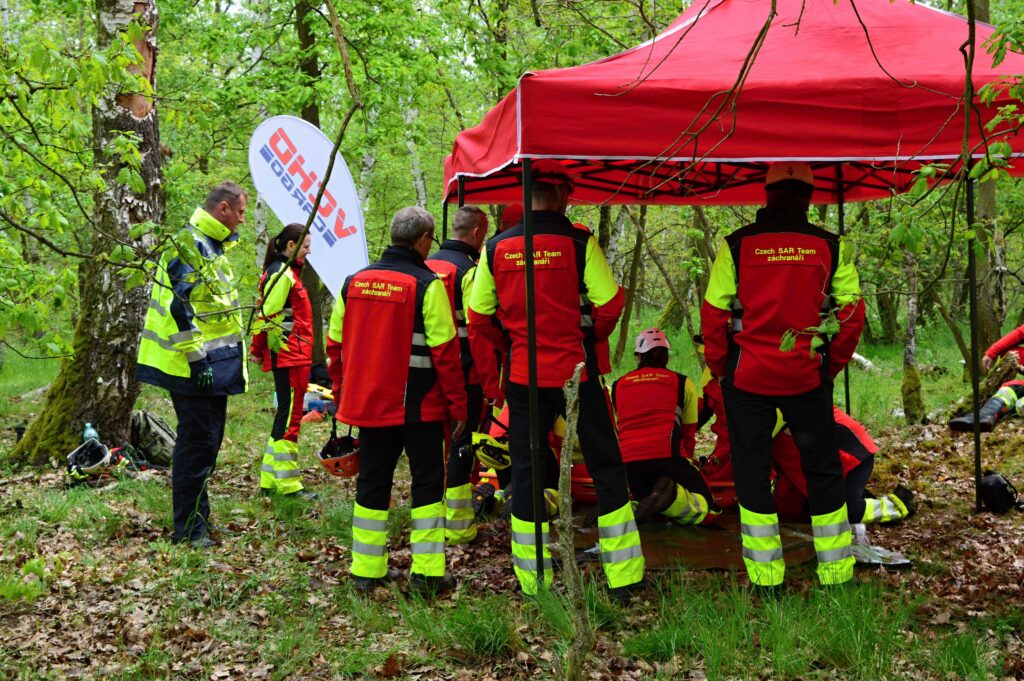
pixel 788 342
pixel 816 342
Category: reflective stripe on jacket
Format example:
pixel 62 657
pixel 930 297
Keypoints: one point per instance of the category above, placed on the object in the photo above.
pixel 393 347
pixel 193 315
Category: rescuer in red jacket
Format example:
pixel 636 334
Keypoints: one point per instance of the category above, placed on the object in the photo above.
pixel 511 215
pixel 455 263
pixel 578 305
pixel 284 345
pixel 857 457
pixel 656 409
pixel 1005 399
pixel 401 381
pixel 781 317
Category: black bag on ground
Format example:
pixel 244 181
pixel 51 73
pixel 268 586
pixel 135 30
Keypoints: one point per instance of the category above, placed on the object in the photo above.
pixel 998 494
pixel 153 437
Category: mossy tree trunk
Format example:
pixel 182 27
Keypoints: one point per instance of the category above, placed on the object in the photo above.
pixel 97 383
pixel 991 267
pixel 888 313
pixel 913 404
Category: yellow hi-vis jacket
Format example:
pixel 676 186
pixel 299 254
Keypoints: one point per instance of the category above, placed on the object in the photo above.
pixel 194 320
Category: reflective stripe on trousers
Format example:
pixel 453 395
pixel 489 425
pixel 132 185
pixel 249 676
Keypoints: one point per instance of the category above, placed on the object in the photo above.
pixel 883 510
pixel 833 546
pixel 762 547
pixel 369 542
pixel 621 555
pixel 427 539
pixel 688 508
pixel 460 521
pixel 280 468
pixel 524 555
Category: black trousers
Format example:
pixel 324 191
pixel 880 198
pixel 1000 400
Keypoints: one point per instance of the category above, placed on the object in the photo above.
pixel 643 475
pixel 200 432
pixel 597 439
pixel 751 419
pixel 379 450
pixel 461 458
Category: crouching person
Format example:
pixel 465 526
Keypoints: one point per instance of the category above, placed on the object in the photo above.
pixel 657 415
pixel 397 374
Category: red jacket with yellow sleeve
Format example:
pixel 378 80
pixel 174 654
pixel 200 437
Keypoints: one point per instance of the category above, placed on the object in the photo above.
pixel 393 349
pixel 656 410
pixel 578 303
pixel 285 337
pixel 772 281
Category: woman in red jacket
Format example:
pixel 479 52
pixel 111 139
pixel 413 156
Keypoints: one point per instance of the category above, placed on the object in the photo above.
pixel 285 346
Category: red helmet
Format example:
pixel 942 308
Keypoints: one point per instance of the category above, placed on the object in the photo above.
pixel 340 456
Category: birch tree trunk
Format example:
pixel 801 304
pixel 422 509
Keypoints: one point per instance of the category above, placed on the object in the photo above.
pixel 310 68
pixel 419 183
pixel 97 383
pixel 631 291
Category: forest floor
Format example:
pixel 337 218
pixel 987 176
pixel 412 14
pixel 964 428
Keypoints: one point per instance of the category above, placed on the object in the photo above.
pixel 91 587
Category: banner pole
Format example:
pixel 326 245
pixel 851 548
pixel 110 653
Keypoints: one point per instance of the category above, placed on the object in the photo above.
pixel 462 191
pixel 533 398
pixel 444 219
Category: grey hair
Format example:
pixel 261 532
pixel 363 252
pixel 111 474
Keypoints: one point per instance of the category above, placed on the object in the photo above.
pixel 225 191
pixel 466 220
pixel 409 224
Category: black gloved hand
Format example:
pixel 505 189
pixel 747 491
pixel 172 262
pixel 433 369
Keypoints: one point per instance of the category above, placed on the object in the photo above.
pixel 202 375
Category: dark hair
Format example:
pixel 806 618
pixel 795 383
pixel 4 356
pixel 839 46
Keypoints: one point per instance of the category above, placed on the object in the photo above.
pixel 656 358
pixel 291 232
pixel 225 191
pixel 789 200
pixel 466 220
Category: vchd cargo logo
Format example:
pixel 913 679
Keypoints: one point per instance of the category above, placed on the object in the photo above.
pixel 281 155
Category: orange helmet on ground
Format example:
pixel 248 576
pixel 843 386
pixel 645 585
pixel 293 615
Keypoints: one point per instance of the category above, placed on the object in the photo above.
pixel 340 456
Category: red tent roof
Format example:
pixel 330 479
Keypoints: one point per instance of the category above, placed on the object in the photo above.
pixel 873 83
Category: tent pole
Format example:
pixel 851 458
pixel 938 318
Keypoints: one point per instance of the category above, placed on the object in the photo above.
pixel 531 358
pixel 462 191
pixel 444 219
pixel 972 282
pixel 841 210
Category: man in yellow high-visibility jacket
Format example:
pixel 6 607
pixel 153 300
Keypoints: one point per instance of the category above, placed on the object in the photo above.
pixel 192 346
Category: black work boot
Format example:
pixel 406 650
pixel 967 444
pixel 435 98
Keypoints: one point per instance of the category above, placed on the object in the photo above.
pixel 988 417
pixel 428 587
pixel 658 500
pixel 365 586
pixel 907 497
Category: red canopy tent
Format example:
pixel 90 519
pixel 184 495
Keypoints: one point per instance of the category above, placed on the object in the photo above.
pixel 866 91
pixel 872 84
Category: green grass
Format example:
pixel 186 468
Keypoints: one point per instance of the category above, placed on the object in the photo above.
pixel 853 633
pixel 19 376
